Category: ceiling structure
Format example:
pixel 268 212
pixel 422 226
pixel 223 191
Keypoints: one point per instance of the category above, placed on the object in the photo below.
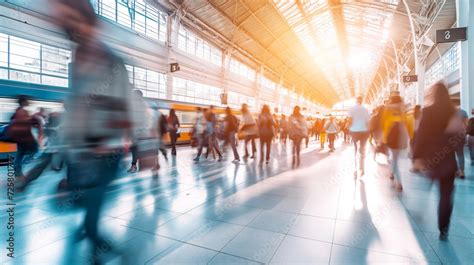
pixel 327 50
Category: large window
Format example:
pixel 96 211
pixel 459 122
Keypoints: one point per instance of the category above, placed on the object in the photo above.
pixel 32 62
pixel 441 68
pixel 151 83
pixel 134 14
pixel 452 59
pixel 192 44
pixel 194 92
pixel 241 69
pixel 236 100
pixel 267 85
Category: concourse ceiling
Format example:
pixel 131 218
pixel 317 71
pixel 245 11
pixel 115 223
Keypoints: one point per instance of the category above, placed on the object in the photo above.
pixel 327 50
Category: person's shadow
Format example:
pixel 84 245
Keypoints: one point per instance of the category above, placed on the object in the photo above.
pixel 363 237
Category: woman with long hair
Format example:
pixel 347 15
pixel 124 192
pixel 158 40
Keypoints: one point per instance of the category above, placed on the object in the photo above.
pixel 266 126
pixel 298 130
pixel 438 136
pixel 173 126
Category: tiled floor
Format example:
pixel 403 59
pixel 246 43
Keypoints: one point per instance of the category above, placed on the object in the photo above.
pixel 224 213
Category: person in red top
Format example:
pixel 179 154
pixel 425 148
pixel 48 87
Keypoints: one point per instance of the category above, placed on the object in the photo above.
pixel 21 124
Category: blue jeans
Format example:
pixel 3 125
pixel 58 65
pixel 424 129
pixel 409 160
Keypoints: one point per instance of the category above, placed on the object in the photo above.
pixel 460 156
pixel 395 157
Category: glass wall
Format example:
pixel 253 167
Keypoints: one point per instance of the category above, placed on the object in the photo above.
pixel 236 100
pixel 192 44
pixel 267 83
pixel 441 68
pixel 194 92
pixel 239 68
pixel 151 83
pixel 137 15
pixel 32 62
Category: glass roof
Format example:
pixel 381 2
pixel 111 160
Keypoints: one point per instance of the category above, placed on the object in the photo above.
pixel 366 29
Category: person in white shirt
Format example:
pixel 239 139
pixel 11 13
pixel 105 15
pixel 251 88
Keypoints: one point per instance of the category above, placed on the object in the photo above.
pixel 359 121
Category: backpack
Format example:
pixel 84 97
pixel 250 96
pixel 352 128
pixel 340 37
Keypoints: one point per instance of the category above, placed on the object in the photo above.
pixel 470 127
pixel 395 137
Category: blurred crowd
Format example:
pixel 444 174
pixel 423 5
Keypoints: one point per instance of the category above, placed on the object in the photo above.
pixel 105 119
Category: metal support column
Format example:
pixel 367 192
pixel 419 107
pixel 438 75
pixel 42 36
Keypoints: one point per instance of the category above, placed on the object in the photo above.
pixel 419 69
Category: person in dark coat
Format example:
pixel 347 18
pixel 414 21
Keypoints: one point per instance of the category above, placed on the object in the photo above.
pixel 434 150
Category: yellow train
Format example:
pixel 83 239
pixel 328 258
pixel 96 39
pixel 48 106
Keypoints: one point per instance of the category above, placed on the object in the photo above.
pixel 186 113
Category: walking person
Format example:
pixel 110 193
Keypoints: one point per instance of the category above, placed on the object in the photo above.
pixel 283 129
pixel 249 130
pixel 358 128
pixel 314 129
pixel 198 128
pixel 331 129
pixel 173 127
pixel 209 138
pixel 19 131
pixel 266 127
pixel 460 150
pixel 143 134
pixel 414 124
pixel 345 130
pixel 230 129
pixel 395 135
pixel 435 137
pixel 276 132
pixel 297 130
pixel 306 138
pixel 97 121
pixel 322 134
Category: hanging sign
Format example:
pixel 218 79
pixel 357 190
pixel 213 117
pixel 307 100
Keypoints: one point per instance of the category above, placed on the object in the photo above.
pixel 410 78
pixel 451 35
pixel 174 67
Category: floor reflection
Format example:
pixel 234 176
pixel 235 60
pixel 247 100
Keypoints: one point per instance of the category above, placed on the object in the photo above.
pixel 214 212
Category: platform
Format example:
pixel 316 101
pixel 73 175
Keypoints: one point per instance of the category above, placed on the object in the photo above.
pixel 225 213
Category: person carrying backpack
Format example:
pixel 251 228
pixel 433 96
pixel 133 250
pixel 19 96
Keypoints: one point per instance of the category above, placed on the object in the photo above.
pixel 395 134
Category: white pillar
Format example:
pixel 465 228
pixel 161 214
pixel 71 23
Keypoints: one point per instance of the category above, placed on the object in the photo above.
pixel 258 94
pixel 225 71
pixel 420 91
pixel 465 18
pixel 171 42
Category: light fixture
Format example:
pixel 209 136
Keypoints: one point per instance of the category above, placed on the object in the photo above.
pixel 426 41
pixel 405 68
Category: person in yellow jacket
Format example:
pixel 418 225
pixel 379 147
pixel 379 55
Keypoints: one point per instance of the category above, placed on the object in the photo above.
pixel 396 132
